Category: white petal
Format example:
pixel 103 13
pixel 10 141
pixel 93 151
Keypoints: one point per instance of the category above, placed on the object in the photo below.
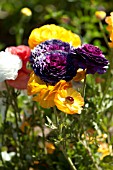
pixel 9 66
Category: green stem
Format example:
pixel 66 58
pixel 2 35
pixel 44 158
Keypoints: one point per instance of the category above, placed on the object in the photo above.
pixel 13 103
pixel 68 159
pixel 63 146
pixel 43 134
pixel 56 116
pixel 104 35
pixel 84 86
pixel 90 154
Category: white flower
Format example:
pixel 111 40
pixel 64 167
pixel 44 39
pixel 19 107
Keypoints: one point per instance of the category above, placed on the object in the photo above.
pixel 9 66
pixel 7 156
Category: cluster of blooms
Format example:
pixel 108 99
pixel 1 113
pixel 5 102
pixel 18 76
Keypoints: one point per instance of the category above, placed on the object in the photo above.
pixel 103 148
pixel 109 21
pixel 56 57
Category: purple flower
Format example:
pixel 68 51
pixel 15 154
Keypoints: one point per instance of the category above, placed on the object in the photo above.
pixel 91 58
pixel 52 61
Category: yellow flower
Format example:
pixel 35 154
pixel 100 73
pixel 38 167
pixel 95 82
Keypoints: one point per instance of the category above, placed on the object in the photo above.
pixel 109 21
pixel 80 75
pixel 69 101
pixel 62 95
pixel 46 96
pixel 47 32
pixel 100 15
pixel 50 147
pixel 35 84
pixel 104 149
pixel 26 12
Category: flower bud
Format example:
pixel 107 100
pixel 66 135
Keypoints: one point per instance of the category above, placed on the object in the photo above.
pixel 100 15
pixel 26 11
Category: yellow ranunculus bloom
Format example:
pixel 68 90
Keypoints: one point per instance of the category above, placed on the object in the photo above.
pixel 45 100
pixel 48 32
pixel 69 101
pixel 35 84
pixel 109 21
pixel 46 96
pixel 100 15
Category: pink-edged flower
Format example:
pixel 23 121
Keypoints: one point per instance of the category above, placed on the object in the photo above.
pixel 23 52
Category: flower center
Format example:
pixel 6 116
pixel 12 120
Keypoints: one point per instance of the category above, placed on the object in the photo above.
pixel 69 99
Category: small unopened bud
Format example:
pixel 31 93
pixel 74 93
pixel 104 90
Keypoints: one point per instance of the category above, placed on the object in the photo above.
pixel 26 12
pixel 100 15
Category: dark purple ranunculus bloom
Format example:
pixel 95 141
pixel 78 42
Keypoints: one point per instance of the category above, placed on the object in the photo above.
pixel 91 58
pixel 52 61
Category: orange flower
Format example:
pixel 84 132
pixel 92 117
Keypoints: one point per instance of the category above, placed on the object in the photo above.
pixel 109 21
pixel 47 95
pixel 62 95
pixel 47 32
pixel 50 147
pixel 35 84
pixel 44 98
pixel 69 101
pixel 80 75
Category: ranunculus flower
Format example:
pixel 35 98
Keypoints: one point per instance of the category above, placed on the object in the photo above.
pixel 48 32
pixel 23 53
pixel 91 58
pixel 109 21
pixel 52 61
pixel 69 101
pixel 9 66
pixel 43 93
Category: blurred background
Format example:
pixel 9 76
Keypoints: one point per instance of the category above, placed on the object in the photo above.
pixel 76 15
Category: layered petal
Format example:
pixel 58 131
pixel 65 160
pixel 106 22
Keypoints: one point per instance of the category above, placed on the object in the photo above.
pixel 48 32
pixel 91 58
pixel 20 82
pixel 109 21
pixel 9 66
pixel 35 84
pixel 52 61
pixel 46 95
pixel 23 52
pixel 69 101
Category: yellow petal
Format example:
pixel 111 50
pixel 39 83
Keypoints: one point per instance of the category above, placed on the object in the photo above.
pixel 69 107
pixel 35 84
pixel 100 14
pixel 47 32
